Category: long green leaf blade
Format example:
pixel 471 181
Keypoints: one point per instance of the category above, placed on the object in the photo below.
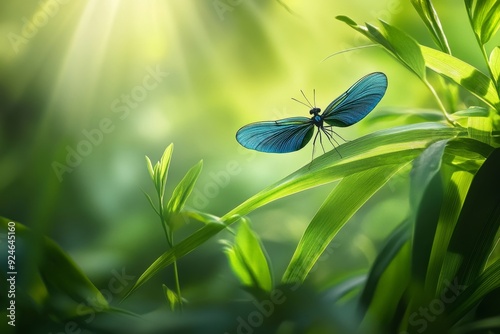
pixel 163 166
pixel 467 296
pixel 491 23
pixel 485 18
pixel 391 272
pixel 454 194
pixel 398 238
pixel 426 196
pixel 494 62
pixel 479 221
pixel 429 16
pixel 405 48
pixel 349 195
pixel 463 74
pixel 399 44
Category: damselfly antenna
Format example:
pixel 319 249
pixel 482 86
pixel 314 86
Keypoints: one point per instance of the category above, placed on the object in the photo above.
pixel 308 104
pixel 305 97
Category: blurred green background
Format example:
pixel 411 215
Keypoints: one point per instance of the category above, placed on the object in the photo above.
pixel 151 73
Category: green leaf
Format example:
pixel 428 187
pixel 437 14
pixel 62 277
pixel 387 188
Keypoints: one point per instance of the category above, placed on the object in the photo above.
pixel 467 154
pixel 480 128
pixel 410 115
pixel 172 298
pixel 491 23
pixel 54 276
pixel 399 44
pixel 163 166
pixel 184 189
pixel 494 62
pixel 485 18
pixel 463 74
pixel 429 16
pixel 473 111
pixel 389 273
pixel 395 242
pixel 203 217
pixel 182 248
pixel 248 259
pixel 383 148
pixel 426 196
pixel 457 185
pixel 151 202
pixel 479 326
pixel 477 225
pixel 406 49
pixel 150 168
pixel 470 294
pixel 157 178
pixel 345 288
pixel 347 197
pixel 459 180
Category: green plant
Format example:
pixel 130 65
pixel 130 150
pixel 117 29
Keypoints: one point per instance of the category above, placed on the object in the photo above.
pixel 47 285
pixel 448 240
pixel 170 214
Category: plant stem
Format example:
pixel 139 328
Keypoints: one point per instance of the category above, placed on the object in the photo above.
pixel 170 241
pixel 486 59
pixel 441 105
pixel 177 283
pixel 483 50
pixel 163 220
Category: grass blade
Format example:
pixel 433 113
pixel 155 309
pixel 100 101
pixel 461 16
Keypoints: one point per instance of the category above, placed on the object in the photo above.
pixel 479 221
pixel 494 61
pixel 469 295
pixel 391 273
pixel 429 16
pixel 457 186
pixel 398 238
pixel 426 196
pixel 463 74
pixel 399 44
pixel 349 195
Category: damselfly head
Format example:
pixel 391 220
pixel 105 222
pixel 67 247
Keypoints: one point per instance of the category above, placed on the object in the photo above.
pixel 314 111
